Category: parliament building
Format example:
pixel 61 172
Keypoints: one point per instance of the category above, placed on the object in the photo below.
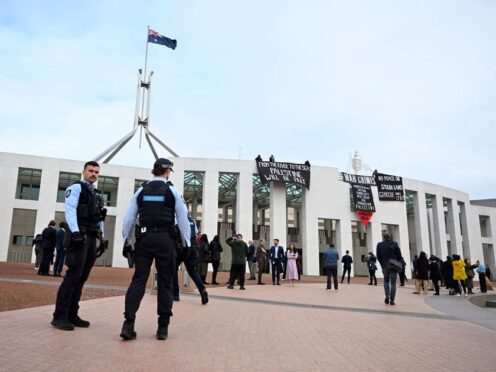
pixel 227 196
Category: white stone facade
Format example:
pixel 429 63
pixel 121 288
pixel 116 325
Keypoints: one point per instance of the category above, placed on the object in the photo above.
pixel 451 224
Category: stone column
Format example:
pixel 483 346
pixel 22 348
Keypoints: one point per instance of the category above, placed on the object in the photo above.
pixel 439 226
pixel 244 205
pixel 343 240
pixel 278 217
pixel 125 192
pixel 454 228
pixel 210 202
pixel 309 237
pixel 8 183
pixel 421 224
pixel 374 236
pixel 465 231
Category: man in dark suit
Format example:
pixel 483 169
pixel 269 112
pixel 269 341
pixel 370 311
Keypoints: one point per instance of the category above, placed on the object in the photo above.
pixel 387 250
pixel 276 255
pixel 347 261
pixel 47 247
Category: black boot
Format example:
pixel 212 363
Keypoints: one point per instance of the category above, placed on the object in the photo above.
pixel 162 332
pixel 163 328
pixel 127 332
pixel 204 297
pixel 214 279
pixel 78 322
pixel 62 324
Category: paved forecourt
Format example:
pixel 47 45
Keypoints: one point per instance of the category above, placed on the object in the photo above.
pixel 265 328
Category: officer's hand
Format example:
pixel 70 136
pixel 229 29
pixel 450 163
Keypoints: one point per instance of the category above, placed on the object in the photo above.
pixel 102 247
pixel 126 249
pixel 77 239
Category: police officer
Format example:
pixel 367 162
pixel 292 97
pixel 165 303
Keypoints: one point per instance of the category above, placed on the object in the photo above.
pixel 190 258
pixel 158 204
pixel 85 214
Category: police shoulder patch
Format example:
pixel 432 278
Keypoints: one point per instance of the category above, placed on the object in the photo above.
pixel 68 193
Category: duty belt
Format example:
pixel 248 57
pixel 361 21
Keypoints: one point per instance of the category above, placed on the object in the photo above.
pixel 145 229
pixel 88 230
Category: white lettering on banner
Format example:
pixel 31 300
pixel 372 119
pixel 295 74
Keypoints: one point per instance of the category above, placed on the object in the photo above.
pixel 284 172
pixel 384 194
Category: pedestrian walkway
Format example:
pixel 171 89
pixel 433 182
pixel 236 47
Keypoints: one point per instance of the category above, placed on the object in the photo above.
pixel 265 328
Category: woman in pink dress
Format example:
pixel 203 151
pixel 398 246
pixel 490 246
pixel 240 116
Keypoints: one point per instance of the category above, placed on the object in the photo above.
pixel 291 269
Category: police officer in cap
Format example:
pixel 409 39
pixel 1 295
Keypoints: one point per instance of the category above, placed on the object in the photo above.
pixel 85 214
pixel 157 204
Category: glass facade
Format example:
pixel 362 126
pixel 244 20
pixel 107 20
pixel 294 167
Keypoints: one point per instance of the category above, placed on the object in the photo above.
pixel 65 179
pixel 138 184
pixel 108 187
pixel 28 184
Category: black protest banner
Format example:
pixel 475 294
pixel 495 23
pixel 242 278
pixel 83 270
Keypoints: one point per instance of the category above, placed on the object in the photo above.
pixel 363 198
pixel 358 179
pixel 284 172
pixel 389 188
pixel 362 191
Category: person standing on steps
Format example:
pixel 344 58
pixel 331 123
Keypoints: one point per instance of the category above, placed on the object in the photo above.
pixel 347 261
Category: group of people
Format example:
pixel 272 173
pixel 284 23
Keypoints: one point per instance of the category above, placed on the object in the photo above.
pixel 372 268
pixel 167 235
pixel 331 258
pixel 164 234
pixel 456 274
pixel 49 249
pixel 282 262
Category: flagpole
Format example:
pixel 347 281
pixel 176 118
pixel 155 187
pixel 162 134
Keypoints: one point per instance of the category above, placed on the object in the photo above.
pixel 142 84
pixel 146 50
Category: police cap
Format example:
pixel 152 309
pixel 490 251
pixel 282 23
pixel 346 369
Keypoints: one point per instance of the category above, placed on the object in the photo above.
pixel 162 164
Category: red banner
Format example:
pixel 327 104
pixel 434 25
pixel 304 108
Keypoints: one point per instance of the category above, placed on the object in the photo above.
pixel 365 217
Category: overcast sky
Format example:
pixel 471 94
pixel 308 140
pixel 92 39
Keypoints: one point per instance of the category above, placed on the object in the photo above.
pixel 411 85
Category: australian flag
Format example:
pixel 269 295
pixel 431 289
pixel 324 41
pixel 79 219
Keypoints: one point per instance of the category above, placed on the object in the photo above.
pixel 155 37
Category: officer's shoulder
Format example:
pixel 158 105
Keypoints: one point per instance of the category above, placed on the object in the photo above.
pixel 169 183
pixel 75 187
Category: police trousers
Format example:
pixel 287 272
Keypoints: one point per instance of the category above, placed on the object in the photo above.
pixel 190 258
pixel 158 246
pixel 80 261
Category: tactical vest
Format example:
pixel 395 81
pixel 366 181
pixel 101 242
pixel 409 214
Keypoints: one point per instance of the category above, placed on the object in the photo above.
pixel 156 205
pixel 90 209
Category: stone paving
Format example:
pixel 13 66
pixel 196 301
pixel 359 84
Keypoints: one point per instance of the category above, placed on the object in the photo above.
pixel 265 328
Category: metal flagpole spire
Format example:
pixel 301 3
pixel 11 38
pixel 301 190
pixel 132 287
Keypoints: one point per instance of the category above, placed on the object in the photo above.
pixel 141 117
pixel 144 75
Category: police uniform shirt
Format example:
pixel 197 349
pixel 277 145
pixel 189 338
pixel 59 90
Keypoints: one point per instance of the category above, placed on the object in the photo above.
pixel 72 194
pixel 180 209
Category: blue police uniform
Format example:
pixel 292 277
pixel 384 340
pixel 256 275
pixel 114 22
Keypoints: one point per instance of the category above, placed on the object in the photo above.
pixel 84 212
pixel 157 204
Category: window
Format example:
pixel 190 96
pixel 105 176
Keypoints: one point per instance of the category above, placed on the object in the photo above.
pixel 17 240
pixel 108 187
pixel 30 192
pixel 65 179
pixel 107 197
pixel 29 240
pixel 138 184
pixel 28 184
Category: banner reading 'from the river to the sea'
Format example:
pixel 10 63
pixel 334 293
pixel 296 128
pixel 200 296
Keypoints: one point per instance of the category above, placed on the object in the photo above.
pixel 284 172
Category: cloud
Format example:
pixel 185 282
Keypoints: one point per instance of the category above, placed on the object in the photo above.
pixel 411 86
